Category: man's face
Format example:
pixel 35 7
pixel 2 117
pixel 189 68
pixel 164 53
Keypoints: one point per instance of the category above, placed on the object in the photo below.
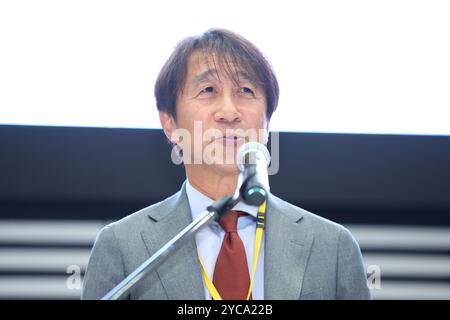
pixel 219 113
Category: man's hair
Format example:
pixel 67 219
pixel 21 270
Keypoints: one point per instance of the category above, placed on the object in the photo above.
pixel 221 44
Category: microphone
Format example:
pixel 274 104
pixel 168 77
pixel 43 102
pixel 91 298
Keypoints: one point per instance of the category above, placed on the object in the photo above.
pixel 252 159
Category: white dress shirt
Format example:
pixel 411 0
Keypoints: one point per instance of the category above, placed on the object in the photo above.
pixel 209 239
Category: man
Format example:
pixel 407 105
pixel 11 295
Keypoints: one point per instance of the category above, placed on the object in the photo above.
pixel 216 92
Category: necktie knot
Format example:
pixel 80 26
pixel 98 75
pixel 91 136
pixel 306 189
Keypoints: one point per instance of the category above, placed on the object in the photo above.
pixel 228 222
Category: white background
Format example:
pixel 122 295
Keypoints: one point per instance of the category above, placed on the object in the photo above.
pixel 343 66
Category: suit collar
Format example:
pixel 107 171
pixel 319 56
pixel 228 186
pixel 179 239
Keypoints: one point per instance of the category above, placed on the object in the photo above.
pixel 166 208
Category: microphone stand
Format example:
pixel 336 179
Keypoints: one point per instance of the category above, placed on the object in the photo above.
pixel 214 212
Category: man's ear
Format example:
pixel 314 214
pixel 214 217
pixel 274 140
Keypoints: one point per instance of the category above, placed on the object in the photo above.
pixel 168 125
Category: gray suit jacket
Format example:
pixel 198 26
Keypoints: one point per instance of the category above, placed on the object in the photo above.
pixel 306 256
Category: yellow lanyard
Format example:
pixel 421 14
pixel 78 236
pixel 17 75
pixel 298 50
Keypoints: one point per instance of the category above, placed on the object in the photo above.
pixel 258 238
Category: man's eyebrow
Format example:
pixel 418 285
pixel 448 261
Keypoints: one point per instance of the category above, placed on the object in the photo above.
pixel 212 73
pixel 202 77
pixel 242 75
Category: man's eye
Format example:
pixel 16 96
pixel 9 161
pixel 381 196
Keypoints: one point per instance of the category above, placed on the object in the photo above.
pixel 245 90
pixel 207 90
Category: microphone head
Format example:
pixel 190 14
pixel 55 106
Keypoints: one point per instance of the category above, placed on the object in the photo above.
pixel 252 159
pixel 253 147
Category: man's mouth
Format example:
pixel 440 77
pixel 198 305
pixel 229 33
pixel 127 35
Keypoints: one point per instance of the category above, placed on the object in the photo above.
pixel 231 138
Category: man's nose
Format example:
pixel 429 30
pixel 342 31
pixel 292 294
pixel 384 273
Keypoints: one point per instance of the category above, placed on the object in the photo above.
pixel 227 110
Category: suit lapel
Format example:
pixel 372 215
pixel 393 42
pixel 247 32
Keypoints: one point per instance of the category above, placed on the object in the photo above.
pixel 287 248
pixel 180 274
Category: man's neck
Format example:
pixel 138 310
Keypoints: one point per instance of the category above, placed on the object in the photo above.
pixel 211 184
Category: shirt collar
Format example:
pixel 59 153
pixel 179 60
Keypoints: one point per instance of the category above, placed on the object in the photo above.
pixel 198 203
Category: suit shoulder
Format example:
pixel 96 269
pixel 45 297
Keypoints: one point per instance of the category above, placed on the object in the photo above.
pixel 136 220
pixel 315 222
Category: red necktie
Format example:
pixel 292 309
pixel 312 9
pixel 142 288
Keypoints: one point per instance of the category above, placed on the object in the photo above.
pixel 231 277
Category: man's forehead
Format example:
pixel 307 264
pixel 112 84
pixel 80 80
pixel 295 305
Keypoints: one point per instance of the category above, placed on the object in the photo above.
pixel 237 75
pixel 202 67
